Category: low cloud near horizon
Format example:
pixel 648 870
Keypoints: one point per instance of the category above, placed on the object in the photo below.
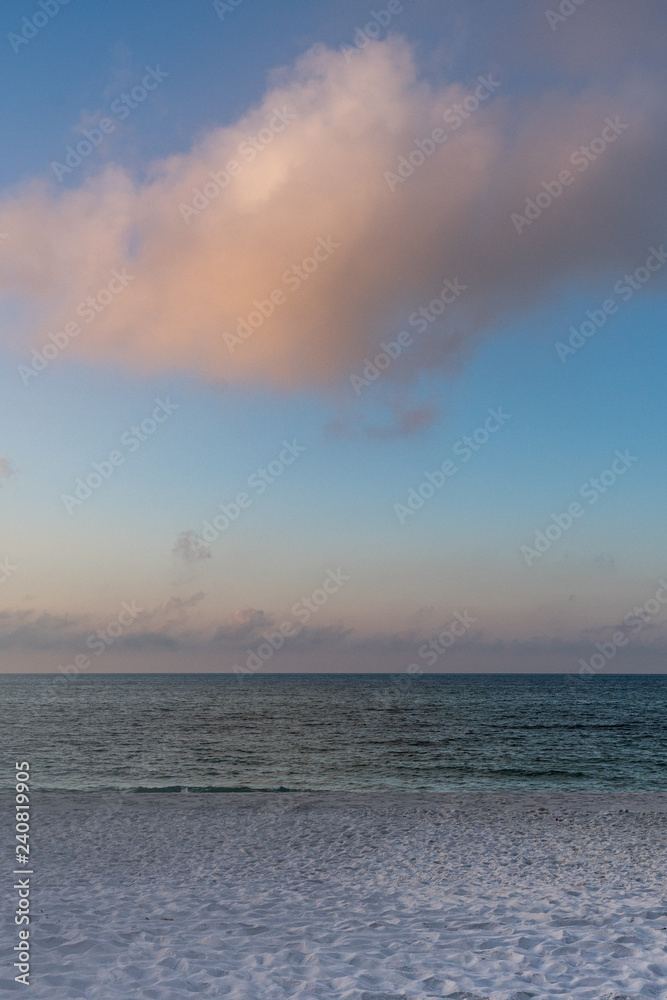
pixel 321 182
pixel 39 642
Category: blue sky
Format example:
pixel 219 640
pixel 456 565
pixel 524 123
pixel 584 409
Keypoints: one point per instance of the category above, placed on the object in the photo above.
pixel 137 536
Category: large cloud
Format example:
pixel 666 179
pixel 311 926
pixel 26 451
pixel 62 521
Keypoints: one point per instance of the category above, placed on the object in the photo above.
pixel 323 178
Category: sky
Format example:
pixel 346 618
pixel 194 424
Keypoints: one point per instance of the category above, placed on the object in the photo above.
pixel 333 336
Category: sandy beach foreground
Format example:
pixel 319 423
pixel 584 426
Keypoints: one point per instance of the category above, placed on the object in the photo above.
pixel 353 897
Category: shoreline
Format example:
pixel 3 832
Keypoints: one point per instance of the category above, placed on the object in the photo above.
pixel 465 795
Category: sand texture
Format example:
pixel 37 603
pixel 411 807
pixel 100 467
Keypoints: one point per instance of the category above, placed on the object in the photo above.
pixel 353 897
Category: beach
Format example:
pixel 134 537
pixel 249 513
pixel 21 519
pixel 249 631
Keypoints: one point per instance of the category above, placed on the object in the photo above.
pixel 333 605
pixel 378 896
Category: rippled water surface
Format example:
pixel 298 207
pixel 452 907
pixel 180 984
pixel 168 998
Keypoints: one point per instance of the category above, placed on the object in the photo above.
pixel 336 732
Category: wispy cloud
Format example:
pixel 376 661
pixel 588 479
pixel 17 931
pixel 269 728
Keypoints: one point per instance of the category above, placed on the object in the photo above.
pixel 190 547
pixel 7 470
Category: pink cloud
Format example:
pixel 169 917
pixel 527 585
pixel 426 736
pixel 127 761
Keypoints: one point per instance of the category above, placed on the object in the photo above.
pixel 319 181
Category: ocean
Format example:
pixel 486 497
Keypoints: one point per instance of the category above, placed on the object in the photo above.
pixel 296 732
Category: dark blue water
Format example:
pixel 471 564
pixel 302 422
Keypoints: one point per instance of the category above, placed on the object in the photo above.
pixel 336 732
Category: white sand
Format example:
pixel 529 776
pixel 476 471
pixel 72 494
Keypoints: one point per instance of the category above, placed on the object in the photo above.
pixel 369 897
